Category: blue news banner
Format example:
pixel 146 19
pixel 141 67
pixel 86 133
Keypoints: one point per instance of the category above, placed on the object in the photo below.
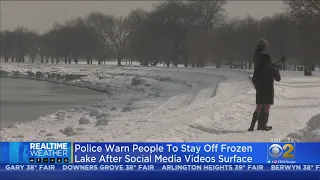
pixel 159 160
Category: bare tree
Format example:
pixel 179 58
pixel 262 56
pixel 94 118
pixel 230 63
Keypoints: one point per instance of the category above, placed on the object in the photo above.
pixel 6 44
pixel 33 39
pixel 117 35
pixel 302 9
pixel 307 15
pixel 113 31
pixel 225 44
pixel 136 20
pixel 276 29
pixel 20 43
pixel 164 33
pixel 174 32
pixel 247 33
pixel 208 16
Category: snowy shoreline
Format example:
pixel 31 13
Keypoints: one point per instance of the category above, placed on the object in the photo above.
pixel 133 82
pixel 201 112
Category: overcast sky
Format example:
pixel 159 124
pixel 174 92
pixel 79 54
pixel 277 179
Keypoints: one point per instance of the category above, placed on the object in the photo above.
pixel 40 15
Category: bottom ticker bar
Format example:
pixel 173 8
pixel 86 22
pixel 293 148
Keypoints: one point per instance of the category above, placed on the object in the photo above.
pixel 172 175
pixel 159 167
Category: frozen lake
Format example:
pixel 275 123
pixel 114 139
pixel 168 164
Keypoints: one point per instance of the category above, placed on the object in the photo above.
pixel 24 100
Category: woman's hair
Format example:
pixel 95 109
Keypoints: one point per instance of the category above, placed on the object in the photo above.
pixel 262 44
pixel 261 47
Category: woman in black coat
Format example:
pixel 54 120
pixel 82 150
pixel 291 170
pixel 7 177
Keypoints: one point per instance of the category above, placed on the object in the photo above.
pixel 265 72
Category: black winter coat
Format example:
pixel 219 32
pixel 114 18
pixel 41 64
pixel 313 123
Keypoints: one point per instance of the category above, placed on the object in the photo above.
pixel 263 78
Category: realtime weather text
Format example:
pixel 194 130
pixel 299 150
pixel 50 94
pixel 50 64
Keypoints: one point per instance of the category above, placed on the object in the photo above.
pixel 48 149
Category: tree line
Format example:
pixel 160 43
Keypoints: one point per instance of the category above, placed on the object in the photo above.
pixel 193 33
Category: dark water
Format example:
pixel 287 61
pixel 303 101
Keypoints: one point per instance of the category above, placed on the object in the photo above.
pixel 25 100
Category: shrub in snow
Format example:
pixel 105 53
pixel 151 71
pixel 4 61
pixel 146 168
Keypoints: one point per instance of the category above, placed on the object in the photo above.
pixel 126 109
pixel 95 112
pixel 159 78
pixel 38 74
pixel 103 115
pixel 54 76
pixel 16 73
pixel 60 76
pixel 105 77
pixel 157 94
pixel 113 108
pixel 314 122
pixel 84 120
pixel 165 79
pixel 49 75
pixel 134 99
pixel 62 114
pixel 137 81
pixel 71 77
pixel 31 74
pixel 140 89
pixel 24 75
pixel 102 122
pixel 100 105
pixel 101 128
pixel 50 134
pixel 68 131
pixel 80 129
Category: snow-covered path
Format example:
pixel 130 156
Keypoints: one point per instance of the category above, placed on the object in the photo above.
pixel 198 114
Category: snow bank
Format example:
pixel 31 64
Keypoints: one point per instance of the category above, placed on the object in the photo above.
pixel 311 133
pixel 142 106
pixel 111 80
pixel 226 116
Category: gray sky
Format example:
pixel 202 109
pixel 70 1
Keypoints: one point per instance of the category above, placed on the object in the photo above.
pixel 40 15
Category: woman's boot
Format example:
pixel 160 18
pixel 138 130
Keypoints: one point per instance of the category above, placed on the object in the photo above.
pixel 267 119
pixel 254 120
pixel 263 121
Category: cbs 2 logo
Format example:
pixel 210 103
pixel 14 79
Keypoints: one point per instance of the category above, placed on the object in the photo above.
pixel 276 150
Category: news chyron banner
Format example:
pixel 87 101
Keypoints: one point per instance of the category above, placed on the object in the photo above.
pixel 79 156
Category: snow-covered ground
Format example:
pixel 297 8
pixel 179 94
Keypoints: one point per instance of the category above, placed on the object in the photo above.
pixel 169 104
